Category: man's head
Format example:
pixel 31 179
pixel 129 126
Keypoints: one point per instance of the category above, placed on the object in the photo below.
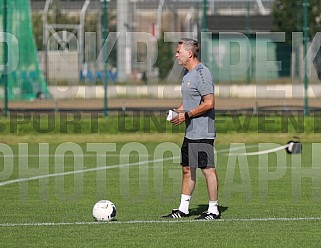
pixel 187 51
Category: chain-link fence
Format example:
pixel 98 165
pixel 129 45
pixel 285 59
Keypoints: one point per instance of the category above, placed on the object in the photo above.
pixel 124 50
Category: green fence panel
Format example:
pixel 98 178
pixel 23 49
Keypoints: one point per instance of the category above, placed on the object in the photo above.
pixel 25 79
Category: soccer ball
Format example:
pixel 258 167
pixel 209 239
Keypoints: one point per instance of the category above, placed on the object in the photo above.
pixel 104 210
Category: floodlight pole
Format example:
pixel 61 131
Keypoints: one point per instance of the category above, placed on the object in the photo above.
pixel 104 36
pixel 5 58
pixel 305 43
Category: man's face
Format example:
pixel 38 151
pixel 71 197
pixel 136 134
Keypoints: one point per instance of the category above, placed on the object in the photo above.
pixel 182 55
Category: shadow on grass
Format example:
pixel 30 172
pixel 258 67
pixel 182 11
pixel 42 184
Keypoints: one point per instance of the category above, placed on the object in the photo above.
pixel 203 207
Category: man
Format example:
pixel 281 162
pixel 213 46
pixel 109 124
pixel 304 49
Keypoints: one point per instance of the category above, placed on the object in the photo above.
pixel 197 111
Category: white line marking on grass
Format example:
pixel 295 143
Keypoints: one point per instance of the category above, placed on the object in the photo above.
pixel 83 171
pixel 90 169
pixel 260 152
pixel 71 155
pixel 67 155
pixel 159 222
pixel 235 148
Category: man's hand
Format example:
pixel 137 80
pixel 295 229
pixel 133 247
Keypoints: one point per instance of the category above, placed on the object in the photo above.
pixel 179 119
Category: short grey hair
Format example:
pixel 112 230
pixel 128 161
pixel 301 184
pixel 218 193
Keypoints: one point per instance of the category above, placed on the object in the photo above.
pixel 190 45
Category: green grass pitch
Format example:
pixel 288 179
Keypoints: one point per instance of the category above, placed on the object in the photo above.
pixel 270 200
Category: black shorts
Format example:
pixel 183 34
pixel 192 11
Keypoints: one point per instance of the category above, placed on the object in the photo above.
pixel 197 153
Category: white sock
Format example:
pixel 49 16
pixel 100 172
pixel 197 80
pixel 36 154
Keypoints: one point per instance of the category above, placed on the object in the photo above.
pixel 213 207
pixel 184 206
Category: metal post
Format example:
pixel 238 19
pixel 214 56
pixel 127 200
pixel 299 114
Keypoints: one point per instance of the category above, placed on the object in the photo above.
pixel 205 15
pixel 104 36
pixel 123 48
pixel 81 34
pixel 45 38
pixel 159 18
pixel 5 58
pixel 248 29
pixel 204 29
pixel 305 43
pixel 297 67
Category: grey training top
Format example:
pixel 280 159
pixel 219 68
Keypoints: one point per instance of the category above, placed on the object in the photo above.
pixel 197 83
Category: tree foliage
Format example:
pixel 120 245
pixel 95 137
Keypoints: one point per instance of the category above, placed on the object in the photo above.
pixel 165 59
pixel 288 17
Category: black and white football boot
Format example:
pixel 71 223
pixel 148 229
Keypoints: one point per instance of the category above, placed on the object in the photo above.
pixel 208 216
pixel 176 214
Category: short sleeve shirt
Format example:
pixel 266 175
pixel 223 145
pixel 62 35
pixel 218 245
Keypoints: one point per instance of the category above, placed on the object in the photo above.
pixel 197 83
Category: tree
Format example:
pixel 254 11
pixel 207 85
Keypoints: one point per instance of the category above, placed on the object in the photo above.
pixel 288 17
pixel 165 58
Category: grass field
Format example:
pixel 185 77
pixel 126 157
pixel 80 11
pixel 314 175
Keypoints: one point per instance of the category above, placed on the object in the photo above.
pixel 48 188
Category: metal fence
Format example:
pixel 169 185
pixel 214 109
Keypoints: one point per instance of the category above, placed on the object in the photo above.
pixel 100 45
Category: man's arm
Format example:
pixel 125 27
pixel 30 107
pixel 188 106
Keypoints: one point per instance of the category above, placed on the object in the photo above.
pixel 208 102
pixel 180 108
